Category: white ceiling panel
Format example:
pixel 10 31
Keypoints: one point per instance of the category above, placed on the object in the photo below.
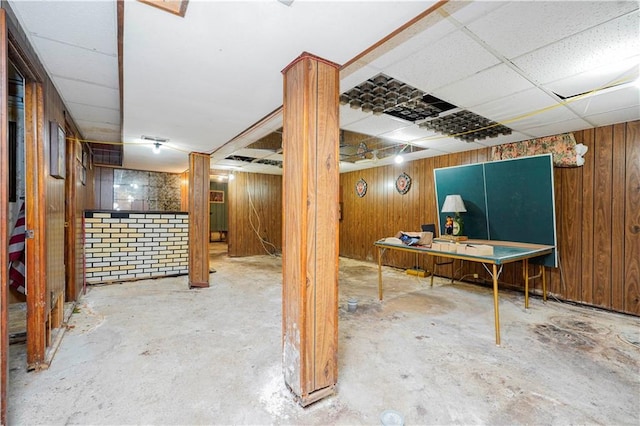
pixel 614 73
pixel 532 25
pixel 94 114
pixel 409 134
pixel 376 125
pixel 500 139
pixel 532 125
pixel 617 116
pixel 438 64
pixel 355 75
pixel 464 13
pixel 610 101
pixel 252 152
pixel 89 24
pixel 84 93
pixel 91 67
pixel 349 116
pixel 451 145
pixel 436 29
pixel 480 88
pixel 525 104
pixel 554 128
pixel 99 131
pixel 608 43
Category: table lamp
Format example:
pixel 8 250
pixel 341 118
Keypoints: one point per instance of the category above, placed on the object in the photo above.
pixel 454 204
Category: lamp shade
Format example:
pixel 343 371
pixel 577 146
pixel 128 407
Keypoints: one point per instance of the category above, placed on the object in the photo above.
pixel 453 204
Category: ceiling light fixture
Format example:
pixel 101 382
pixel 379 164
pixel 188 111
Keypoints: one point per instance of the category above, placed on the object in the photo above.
pixel 156 148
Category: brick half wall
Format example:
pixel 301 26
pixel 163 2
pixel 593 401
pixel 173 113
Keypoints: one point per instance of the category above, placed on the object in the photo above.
pixel 122 246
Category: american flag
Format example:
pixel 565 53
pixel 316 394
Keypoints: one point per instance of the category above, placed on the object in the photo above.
pixel 16 254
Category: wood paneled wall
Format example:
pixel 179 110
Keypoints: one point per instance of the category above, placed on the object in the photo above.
pixel 54 110
pixel 598 218
pixel 103 188
pixel 255 203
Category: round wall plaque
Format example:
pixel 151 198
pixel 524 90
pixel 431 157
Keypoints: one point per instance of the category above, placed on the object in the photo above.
pixel 403 183
pixel 361 188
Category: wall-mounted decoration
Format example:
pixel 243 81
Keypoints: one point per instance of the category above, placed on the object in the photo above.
pixel 83 169
pixel 564 148
pixel 216 197
pixel 57 150
pixel 403 183
pixel 361 188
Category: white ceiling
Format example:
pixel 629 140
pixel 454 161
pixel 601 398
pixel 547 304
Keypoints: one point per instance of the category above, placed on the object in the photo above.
pixel 204 80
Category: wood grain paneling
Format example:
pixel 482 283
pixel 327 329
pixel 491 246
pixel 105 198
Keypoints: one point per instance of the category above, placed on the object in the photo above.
pixel 310 227
pixel 631 226
pixel 254 214
pixel 198 220
pixel 597 214
pixel 36 249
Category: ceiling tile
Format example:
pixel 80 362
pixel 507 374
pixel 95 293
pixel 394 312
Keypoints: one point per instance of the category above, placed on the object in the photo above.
pixel 82 112
pixel 85 93
pixel 618 116
pixel 446 144
pixel 607 43
pixel 534 24
pixel 376 125
pixel 549 129
pixel 90 24
pixel 93 131
pixel 409 134
pixel 430 35
pixel 481 87
pixel 612 100
pixel 350 116
pixel 613 73
pixel 452 58
pixel 356 76
pixel 79 64
pixel 531 104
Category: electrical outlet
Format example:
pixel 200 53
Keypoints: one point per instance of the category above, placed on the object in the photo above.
pixel 475 275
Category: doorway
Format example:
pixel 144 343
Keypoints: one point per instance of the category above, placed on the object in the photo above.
pixel 16 297
pixel 218 220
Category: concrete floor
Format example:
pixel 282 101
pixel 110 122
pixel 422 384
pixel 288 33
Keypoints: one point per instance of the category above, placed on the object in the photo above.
pixel 154 352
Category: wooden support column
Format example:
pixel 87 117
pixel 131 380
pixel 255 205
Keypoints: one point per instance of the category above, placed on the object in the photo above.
pixel 310 227
pixel 198 220
pixel 35 220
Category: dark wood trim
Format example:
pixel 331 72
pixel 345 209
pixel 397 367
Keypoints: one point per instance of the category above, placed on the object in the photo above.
pixel 395 33
pixel 71 196
pixel 4 205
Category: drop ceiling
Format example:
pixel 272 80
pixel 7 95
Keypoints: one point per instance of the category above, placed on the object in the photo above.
pixel 211 81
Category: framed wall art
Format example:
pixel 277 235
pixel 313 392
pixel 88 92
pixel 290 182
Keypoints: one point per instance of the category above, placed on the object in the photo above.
pixel 57 150
pixel 216 197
